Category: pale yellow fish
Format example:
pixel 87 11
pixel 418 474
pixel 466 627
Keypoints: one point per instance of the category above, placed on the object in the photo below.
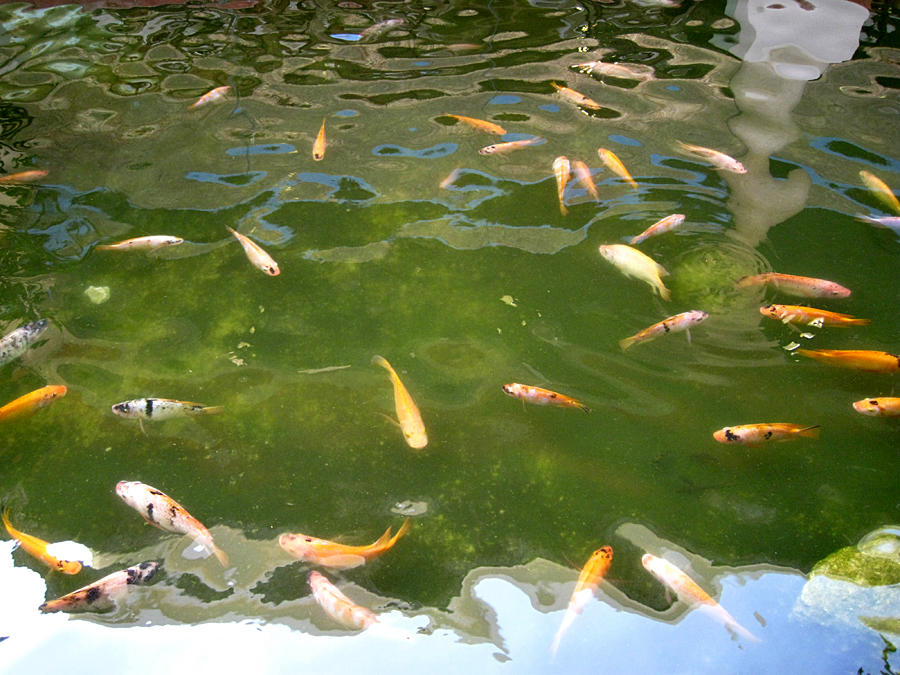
pixel 498 148
pixel 481 125
pixel 633 263
pixel 318 150
pixel 148 243
pixel 576 97
pixel 407 412
pixel 881 191
pixel 450 179
pixel 338 606
pixel 659 227
pixel 718 159
pixel 623 71
pixel 614 164
pixel 583 173
pixel 210 96
pixel 256 254
pixel 561 170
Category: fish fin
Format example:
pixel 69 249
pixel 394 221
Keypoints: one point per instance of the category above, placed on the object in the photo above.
pixel 141 425
pixel 687 333
pixel 584 407
pixel 859 322
pixel 342 561
pixel 391 420
pixel 220 555
pixel 404 528
pixel 809 432
pixel 384 538
pixel 103 247
pixel 211 410
pixel 627 342
pixel 563 210
pixel 664 292
pixel 379 360
pixel 662 271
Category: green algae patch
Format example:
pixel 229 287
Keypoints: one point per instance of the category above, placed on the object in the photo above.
pixel 851 564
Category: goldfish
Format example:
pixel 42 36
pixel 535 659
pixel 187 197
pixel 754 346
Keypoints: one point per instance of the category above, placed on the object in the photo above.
pixel 867 360
pixel 24 176
pixel 338 606
pixel 161 511
pixel 804 287
pixel 149 243
pixel 407 413
pixel 690 593
pixel 17 342
pixel 30 403
pixel 614 164
pixel 623 71
pixel 584 175
pixel 754 434
pixel 481 125
pixel 102 594
pixel 561 170
pixel 659 227
pixel 591 575
pixel 810 316
pixel 339 556
pixel 210 96
pixel 318 150
pixel 633 263
pixel 884 406
pixel 257 255
pixel 881 191
pixel 575 97
pixel 674 324
pixel 540 396
pixel 498 148
pixel 718 159
pixel 38 548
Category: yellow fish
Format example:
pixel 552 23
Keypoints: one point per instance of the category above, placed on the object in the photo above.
pixel 614 164
pixel 633 263
pixel 335 555
pixel 407 413
pixel 593 573
pixel 561 170
pixel 583 173
pixel 256 255
pixel 481 125
pixel 576 97
pixel 881 191
pixel 318 150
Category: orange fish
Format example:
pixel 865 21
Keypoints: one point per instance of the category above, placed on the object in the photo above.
pixel 540 396
pixel 614 164
pixel 561 171
pixel 804 287
pixel 498 148
pixel 674 324
pixel 591 575
pixel 583 173
pixel 867 360
pixel 481 125
pixel 884 406
pixel 339 556
pixel 37 548
pixel 575 97
pixel 659 227
pixel 755 434
pixel 23 176
pixel 210 96
pixel 31 402
pixel 810 316
pixel 338 606
pixel 256 254
pixel 408 415
pixel 318 150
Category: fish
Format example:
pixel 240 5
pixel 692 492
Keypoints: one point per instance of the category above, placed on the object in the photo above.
pixel 103 594
pixel 591 575
pixel 481 125
pixel 499 148
pixel 30 403
pixel 662 226
pixel 256 254
pixel 718 159
pixel 407 413
pixel 380 27
pixel 210 96
pixel 540 396
pixel 622 71
pixel 810 316
pixel 674 324
pixel 17 342
pixel 883 406
pixel 804 287
pixel 755 434
pixel 149 243
pixel 576 97
pixel 881 191
pixel 890 222
pixel 339 556
pixel 161 511
pixel 867 360
pixel 38 548
pixel 614 164
pixel 690 593
pixel 561 170
pixel 633 263
pixel 583 173
pixel 318 149
pixel 162 409
pixel 450 179
pixel 338 606
pixel 24 176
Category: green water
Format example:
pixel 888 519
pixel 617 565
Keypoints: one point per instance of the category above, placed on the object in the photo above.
pixel 376 258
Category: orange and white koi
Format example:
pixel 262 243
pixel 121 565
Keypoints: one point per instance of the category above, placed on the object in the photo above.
pixel 499 148
pixel 103 594
pixel 810 316
pixel 659 227
pixel 576 97
pixel 614 164
pixel 481 125
pixel 149 243
pixel 622 71
pixel 17 342
pixel 408 416
pixel 339 556
pixel 690 593
pixel 338 606
pixel 256 255
pixel 755 434
pixel 718 159
pixel 24 176
pixel 583 173
pixel 38 548
pixel 561 170
pixel 210 96
pixel 804 287
pixel 161 511
pixel 633 263
pixel 591 575
pixel 162 409
pixel 881 191
pixel 674 324
pixel 318 149
pixel 541 396
pixel 883 406
pixel 867 360
pixel 30 403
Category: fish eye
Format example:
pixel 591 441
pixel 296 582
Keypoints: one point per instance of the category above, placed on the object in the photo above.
pixel 309 539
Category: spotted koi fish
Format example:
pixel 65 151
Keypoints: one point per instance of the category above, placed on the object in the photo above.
pixel 103 594
pixel 884 406
pixel 30 403
pixel 40 549
pixel 162 409
pixel 540 396
pixel 810 316
pixel 16 343
pixel 756 434
pixel 591 575
pixel 867 360
pixel 674 324
pixel 339 556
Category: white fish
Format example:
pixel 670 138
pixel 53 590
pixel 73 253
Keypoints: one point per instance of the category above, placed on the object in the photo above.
pixel 17 342
pixel 718 159
pixel 633 263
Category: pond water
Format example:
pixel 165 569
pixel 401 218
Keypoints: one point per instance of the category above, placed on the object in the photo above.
pixel 464 282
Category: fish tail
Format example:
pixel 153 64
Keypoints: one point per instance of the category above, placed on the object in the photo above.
pixel 221 556
pixel 383 362
pixel 809 432
pixel 637 239
pixel 103 247
pixel 627 342
pixel 858 322
pixel 404 528
pixel 211 409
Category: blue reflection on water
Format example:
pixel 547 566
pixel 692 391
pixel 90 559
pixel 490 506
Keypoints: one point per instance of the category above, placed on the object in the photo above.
pixel 435 151
pixel 229 179
pixel 505 99
pixel 625 140
pixel 549 107
pixel 347 37
pixel 347 112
